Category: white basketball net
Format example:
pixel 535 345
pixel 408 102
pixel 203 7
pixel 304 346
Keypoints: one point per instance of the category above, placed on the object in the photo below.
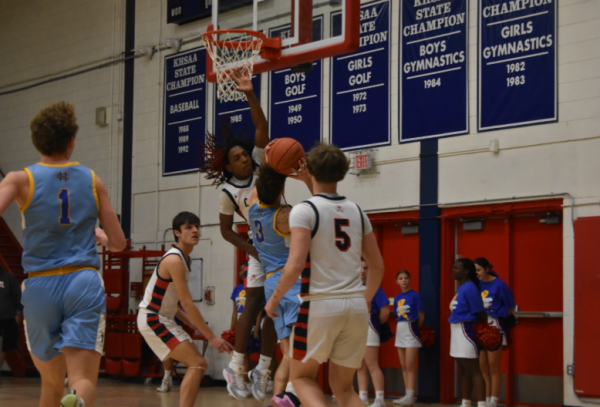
pixel 233 54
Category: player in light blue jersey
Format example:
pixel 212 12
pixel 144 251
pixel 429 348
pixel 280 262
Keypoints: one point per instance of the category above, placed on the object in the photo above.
pixel 269 222
pixel 64 298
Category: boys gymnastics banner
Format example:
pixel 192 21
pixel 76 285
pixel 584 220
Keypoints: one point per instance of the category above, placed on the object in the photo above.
pixel 184 110
pixel 434 95
pixel 517 72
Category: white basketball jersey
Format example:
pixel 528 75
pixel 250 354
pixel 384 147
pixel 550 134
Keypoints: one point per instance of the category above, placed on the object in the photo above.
pixel 160 296
pixel 238 194
pixel 337 228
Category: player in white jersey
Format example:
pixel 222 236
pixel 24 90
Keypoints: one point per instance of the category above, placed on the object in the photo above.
pixel 166 288
pixel 333 319
pixel 232 159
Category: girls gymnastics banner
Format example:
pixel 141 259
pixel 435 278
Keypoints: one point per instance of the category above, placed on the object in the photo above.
pixel 517 73
pixel 434 95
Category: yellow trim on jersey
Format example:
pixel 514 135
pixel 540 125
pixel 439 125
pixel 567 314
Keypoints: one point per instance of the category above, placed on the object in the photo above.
pixel 95 190
pixel 272 272
pixel 275 223
pixel 59 165
pixel 59 271
pixel 262 205
pixel 31 190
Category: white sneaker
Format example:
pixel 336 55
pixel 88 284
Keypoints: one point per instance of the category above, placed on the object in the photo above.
pixel 236 386
pixel 407 401
pixel 166 385
pixel 270 385
pixel 378 403
pixel 72 400
pixel 365 401
pixel 259 380
pixel 400 400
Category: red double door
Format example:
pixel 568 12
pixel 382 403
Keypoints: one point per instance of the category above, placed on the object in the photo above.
pixel 524 243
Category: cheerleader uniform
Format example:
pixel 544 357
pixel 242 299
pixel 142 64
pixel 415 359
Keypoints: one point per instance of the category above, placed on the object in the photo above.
pixel 464 306
pixel 497 300
pixel 238 296
pixel 407 306
pixel 379 301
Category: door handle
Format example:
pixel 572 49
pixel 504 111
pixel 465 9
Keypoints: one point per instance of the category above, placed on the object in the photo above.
pixel 537 314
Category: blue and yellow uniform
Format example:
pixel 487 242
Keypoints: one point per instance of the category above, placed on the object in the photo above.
pixel 273 251
pixel 64 295
pixel 238 296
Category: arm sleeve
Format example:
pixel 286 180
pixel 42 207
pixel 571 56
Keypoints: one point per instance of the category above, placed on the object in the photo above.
pixel 508 297
pixel 226 206
pixel 258 155
pixel 419 302
pixel 473 298
pixel 381 299
pixel 367 223
pixel 16 293
pixel 302 216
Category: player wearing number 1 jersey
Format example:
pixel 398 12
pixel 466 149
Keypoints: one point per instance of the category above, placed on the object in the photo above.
pixel 333 319
pixel 64 295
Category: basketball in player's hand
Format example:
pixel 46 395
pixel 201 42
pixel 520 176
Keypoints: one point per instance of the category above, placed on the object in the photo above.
pixel 283 155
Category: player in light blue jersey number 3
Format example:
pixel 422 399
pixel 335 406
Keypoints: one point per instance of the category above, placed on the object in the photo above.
pixel 64 295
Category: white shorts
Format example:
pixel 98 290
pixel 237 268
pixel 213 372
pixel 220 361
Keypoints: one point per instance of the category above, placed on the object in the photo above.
pixel 407 335
pixel 256 274
pixel 333 329
pixel 373 337
pixel 496 322
pixel 463 343
pixel 162 334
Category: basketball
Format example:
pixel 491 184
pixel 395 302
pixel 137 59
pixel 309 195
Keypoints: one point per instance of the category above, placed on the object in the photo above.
pixel 283 154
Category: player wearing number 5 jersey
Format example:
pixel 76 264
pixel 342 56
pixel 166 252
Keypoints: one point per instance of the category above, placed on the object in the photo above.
pixel 64 298
pixel 333 319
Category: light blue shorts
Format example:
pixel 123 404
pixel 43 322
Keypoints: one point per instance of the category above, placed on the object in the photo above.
pixel 288 307
pixel 64 310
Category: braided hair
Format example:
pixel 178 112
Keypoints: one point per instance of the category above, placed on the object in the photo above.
pixel 470 267
pixel 483 262
pixel 214 155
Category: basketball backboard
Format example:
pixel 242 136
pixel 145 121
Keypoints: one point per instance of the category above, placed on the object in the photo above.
pixel 309 30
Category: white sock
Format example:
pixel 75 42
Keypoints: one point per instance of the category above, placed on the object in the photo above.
pixel 263 363
pixel 488 399
pixel 167 375
pixel 237 360
pixel 466 403
pixel 379 395
pixel 410 394
pixel 494 399
pixel 290 388
pixel 481 404
pixel 364 395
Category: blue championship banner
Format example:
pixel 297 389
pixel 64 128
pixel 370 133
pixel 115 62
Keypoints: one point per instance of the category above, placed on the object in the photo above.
pixel 184 110
pixel 517 78
pixel 360 83
pixel 235 113
pixel 295 98
pixel 434 44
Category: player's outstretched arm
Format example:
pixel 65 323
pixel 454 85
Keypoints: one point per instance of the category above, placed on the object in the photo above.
pixel 226 225
pixel 111 235
pixel 10 188
pixel 303 175
pixel 175 270
pixel 293 268
pixel 372 255
pixel 258 116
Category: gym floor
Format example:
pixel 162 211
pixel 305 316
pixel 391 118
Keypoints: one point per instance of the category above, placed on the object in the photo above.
pixel 25 392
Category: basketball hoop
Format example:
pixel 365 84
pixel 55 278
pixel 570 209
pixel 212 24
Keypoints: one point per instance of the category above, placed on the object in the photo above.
pixel 237 51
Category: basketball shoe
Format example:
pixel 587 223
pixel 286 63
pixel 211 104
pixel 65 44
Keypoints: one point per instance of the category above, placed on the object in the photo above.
pixel 236 386
pixel 259 380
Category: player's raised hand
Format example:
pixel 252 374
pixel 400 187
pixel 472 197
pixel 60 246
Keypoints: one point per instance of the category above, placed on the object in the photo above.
pixel 221 345
pixel 243 80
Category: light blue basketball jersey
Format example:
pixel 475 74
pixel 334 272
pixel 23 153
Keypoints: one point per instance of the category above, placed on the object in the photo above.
pixel 59 218
pixel 269 242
